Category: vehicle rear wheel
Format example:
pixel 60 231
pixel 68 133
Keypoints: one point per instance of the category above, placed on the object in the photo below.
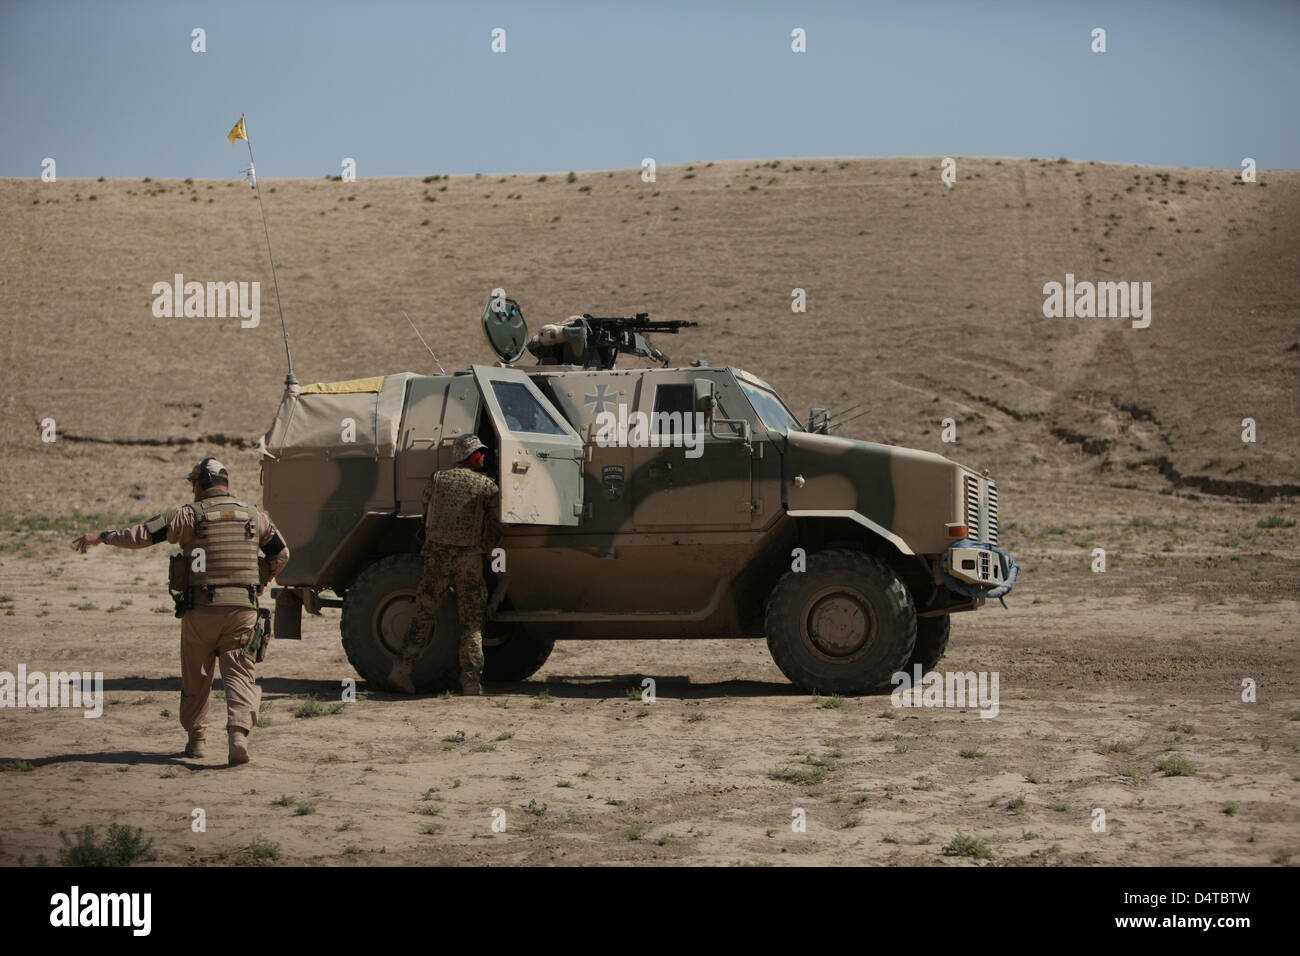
pixel 376 614
pixel 510 652
pixel 931 641
pixel 842 626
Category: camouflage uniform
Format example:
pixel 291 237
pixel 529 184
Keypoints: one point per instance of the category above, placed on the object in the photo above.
pixel 459 528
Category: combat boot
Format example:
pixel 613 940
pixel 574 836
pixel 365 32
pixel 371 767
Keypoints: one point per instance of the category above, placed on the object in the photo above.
pixel 400 677
pixel 195 746
pixel 471 686
pixel 238 747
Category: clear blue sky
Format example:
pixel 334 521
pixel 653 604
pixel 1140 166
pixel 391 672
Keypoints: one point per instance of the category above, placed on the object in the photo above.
pixel 111 87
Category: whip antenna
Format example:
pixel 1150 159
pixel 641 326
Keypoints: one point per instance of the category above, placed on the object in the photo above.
pixel 241 132
pixel 424 343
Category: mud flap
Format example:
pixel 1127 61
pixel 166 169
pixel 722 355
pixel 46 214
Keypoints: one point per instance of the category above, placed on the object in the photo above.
pixel 288 614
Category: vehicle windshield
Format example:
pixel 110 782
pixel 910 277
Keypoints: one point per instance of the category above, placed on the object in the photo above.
pixel 771 409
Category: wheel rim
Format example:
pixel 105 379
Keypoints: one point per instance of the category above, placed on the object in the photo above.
pixel 838 624
pixel 393 619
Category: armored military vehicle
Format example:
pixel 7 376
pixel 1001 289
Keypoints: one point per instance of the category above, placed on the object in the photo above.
pixel 661 502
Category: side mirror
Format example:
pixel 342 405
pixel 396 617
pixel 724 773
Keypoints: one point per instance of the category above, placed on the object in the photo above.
pixel 704 400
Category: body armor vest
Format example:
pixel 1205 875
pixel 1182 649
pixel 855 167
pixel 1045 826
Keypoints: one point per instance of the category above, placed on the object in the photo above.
pixel 226 530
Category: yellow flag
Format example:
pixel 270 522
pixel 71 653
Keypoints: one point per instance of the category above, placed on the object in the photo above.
pixel 238 132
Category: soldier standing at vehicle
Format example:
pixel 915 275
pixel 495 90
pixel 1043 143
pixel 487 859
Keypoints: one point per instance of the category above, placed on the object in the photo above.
pixel 219 538
pixel 460 525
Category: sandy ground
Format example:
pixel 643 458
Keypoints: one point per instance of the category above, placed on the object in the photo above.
pixel 924 303
pixel 1102 676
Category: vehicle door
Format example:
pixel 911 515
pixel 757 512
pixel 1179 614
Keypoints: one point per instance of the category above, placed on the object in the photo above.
pixel 540 453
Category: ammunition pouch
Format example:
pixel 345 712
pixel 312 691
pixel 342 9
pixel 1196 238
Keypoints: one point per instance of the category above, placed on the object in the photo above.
pixel 178 582
pixel 178 572
pixel 261 635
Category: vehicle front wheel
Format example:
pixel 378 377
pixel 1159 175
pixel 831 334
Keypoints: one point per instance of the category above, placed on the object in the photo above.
pixel 931 642
pixel 842 626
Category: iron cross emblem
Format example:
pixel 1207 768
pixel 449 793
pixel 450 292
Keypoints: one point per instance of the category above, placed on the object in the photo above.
pixel 602 398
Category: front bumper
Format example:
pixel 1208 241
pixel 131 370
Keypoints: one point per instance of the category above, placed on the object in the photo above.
pixel 979 569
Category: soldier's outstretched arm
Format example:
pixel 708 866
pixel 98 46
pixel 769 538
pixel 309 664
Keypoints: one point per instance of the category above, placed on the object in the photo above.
pixel 167 526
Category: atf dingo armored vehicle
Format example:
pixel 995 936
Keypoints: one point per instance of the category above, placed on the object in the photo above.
pixel 635 503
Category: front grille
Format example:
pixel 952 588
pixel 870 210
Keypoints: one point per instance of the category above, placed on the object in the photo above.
pixel 981 501
pixel 991 512
pixel 973 524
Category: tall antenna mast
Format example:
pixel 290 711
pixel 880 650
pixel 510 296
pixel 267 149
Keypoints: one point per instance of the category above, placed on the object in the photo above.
pixel 241 132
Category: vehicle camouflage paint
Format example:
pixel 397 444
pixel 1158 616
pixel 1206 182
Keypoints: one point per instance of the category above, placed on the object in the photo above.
pixel 636 503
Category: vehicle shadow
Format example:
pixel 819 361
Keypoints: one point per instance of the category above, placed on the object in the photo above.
pixel 669 687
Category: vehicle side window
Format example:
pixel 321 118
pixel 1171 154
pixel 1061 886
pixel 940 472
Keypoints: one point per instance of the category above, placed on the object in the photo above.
pixel 672 411
pixel 522 411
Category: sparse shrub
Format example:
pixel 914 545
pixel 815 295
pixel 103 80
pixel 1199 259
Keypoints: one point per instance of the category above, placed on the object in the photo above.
pixel 122 846
pixel 963 845
pixel 310 707
pixel 260 851
pixel 1176 766
pixel 807 776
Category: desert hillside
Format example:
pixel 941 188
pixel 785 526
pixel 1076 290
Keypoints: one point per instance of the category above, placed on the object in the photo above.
pixel 923 302
pixel 1122 682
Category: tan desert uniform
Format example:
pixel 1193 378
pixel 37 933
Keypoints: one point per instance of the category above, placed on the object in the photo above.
pixel 459 528
pixel 220 626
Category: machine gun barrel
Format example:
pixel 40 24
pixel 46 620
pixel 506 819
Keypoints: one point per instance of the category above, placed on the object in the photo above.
pixel 641 322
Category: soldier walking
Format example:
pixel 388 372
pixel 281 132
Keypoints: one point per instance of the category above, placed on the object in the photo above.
pixel 460 525
pixel 219 537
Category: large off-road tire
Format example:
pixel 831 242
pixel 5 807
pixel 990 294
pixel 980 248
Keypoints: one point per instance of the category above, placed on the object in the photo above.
pixel 931 642
pixel 510 652
pixel 842 626
pixel 379 607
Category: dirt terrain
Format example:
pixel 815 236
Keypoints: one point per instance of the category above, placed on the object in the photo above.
pixel 924 303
